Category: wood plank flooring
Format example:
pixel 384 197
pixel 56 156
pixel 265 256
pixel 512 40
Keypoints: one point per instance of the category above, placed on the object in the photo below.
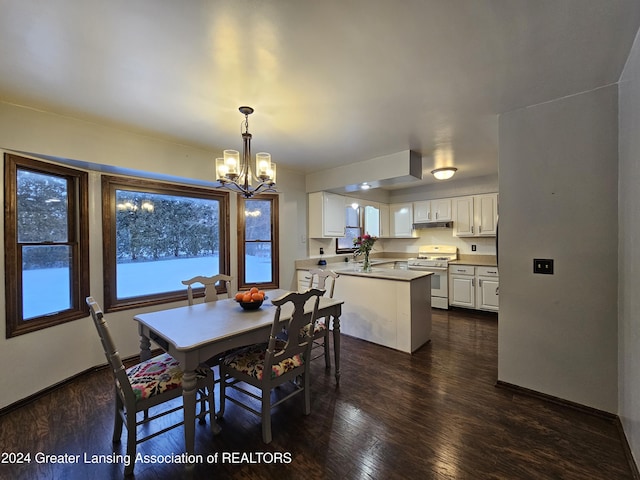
pixel 436 414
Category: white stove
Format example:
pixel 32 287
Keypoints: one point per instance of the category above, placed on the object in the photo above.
pixel 436 258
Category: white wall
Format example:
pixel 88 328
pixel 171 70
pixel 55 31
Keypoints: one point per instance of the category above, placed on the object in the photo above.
pixel 38 360
pixel 558 199
pixel 629 255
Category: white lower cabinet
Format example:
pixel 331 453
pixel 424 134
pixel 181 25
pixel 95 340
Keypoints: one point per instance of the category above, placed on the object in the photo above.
pixel 474 287
pixel 462 286
pixel 487 288
pixel 303 280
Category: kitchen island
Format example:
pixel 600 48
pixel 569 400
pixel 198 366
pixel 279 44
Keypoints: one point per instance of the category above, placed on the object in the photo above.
pixel 387 306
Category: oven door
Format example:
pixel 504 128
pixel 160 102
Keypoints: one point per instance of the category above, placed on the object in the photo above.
pixel 439 281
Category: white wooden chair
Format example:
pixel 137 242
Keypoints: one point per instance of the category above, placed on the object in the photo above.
pixel 319 279
pixel 146 385
pixel 268 365
pixel 210 295
pixel 210 286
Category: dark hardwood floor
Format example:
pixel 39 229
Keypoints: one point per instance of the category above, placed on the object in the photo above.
pixel 436 414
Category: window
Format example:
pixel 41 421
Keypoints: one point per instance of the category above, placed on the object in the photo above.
pixel 46 244
pixel 258 242
pixel 158 234
pixel 353 230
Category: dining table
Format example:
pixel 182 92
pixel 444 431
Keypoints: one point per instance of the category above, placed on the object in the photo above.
pixel 194 334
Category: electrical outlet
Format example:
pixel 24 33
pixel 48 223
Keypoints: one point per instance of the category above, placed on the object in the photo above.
pixel 543 265
pixel 473 248
pixel 321 251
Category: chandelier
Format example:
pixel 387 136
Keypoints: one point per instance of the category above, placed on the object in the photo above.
pixel 235 172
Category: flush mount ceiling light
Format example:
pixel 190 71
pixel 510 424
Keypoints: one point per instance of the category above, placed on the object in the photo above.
pixel 444 173
pixel 235 173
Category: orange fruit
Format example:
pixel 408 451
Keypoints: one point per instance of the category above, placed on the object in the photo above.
pixel 261 292
pixel 253 290
pixel 257 297
pixel 246 298
pixel 239 296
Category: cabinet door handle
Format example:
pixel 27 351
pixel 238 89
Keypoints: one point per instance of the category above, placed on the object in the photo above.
pixel 480 282
pixel 473 282
pixel 436 215
pixel 479 228
pixel 497 291
pixel 471 228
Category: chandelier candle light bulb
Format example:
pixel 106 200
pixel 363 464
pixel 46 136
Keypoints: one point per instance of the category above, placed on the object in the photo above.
pixel 231 160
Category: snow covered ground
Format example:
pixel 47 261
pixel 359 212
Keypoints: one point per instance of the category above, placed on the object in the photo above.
pixel 46 290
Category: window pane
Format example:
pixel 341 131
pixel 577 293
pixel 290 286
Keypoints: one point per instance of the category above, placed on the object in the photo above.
pixel 258 242
pixel 346 242
pixel 41 207
pixel 46 280
pixel 258 220
pixel 148 277
pixel 258 263
pixel 163 239
pixel 352 216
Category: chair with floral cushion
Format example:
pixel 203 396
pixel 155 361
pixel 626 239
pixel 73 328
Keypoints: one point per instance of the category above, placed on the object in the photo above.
pixel 319 279
pixel 274 363
pixel 146 385
pixel 210 295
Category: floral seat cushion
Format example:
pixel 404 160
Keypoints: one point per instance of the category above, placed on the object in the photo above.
pixel 250 360
pixel 319 327
pixel 158 375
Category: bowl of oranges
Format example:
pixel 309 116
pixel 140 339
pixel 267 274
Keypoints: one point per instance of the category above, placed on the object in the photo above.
pixel 251 299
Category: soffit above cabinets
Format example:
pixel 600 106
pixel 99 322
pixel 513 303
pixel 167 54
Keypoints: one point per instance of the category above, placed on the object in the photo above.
pixel 394 169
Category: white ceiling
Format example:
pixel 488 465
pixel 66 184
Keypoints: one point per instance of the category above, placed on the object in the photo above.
pixel 332 81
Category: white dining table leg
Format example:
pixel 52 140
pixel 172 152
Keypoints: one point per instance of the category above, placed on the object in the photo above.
pixel 189 398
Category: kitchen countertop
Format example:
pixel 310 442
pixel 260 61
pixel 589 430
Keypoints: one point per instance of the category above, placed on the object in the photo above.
pixel 337 261
pixel 354 269
pixel 384 273
pixel 477 260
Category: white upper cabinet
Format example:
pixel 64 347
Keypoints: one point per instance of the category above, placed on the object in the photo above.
pixel 441 210
pixel 422 212
pixel 475 215
pixel 401 219
pixel 432 211
pixel 485 209
pixel 463 217
pixel 326 215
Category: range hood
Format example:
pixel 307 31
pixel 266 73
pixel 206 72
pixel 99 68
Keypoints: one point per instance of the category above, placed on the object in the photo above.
pixel 418 226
